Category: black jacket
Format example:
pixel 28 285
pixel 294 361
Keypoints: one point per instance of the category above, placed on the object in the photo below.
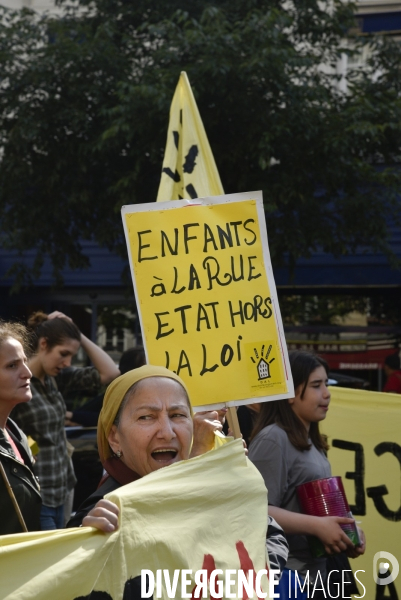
pixel 132 588
pixel 23 482
pixel 108 486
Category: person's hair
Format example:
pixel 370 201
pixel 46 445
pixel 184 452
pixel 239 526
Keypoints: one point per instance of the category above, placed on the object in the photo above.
pixel 132 391
pixel 393 361
pixel 54 331
pixel 132 359
pixel 279 412
pixel 16 331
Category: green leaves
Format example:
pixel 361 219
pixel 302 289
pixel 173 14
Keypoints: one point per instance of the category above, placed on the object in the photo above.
pixel 84 105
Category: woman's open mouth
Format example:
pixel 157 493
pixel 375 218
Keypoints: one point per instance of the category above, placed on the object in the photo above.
pixel 165 455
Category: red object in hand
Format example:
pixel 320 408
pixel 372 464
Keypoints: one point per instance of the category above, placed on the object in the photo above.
pixel 326 498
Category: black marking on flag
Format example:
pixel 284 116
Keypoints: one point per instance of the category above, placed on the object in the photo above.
pixel 191 191
pixel 176 136
pixel 132 591
pixel 96 596
pixel 189 163
pixel 175 176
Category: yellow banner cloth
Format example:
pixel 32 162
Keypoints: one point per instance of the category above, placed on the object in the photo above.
pixel 213 508
pixel 364 435
pixel 189 169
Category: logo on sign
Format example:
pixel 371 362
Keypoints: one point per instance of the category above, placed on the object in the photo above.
pixel 262 362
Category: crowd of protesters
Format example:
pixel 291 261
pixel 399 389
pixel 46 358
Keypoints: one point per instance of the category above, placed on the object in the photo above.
pixel 145 422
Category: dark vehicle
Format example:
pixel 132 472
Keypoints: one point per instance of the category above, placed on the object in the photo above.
pixel 86 461
pixel 348 381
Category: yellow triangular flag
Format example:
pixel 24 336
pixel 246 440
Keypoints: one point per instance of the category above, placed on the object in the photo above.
pixel 189 170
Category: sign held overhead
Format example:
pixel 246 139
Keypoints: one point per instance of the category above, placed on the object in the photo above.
pixel 206 297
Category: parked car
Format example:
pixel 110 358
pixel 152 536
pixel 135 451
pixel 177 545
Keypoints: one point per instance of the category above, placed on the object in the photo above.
pixel 347 381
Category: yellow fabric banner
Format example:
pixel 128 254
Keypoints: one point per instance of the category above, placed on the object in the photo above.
pixel 207 513
pixel 364 436
pixel 189 169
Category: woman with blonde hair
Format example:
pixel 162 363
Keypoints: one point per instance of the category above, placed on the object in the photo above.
pixel 19 488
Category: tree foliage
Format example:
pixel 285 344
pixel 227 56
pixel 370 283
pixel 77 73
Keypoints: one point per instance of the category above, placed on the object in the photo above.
pixel 322 309
pixel 84 104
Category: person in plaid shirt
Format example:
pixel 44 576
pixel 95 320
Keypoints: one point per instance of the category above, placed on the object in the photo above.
pixel 57 341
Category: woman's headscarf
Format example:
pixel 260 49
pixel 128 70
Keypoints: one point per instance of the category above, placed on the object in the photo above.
pixel 114 396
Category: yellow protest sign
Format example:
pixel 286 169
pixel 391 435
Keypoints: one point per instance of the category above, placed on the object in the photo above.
pixel 364 436
pixel 189 169
pixel 207 513
pixel 206 297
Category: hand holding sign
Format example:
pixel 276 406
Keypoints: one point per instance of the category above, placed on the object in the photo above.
pixel 205 424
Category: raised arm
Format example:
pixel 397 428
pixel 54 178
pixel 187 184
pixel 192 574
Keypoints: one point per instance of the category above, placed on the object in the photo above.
pixel 101 360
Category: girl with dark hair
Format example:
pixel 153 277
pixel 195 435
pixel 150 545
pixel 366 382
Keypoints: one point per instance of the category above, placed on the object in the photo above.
pixel 288 449
pixel 56 340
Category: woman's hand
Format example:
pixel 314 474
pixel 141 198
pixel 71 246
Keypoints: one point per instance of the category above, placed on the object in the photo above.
pixel 327 529
pixel 103 516
pixel 68 422
pixel 356 551
pixel 221 415
pixel 100 359
pixel 205 424
pixel 334 539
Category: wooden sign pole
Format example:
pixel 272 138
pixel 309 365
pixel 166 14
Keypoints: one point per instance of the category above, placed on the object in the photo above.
pixel 233 423
pixel 13 498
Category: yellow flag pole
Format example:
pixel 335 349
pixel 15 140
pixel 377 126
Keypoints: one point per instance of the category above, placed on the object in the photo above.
pixel 189 167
